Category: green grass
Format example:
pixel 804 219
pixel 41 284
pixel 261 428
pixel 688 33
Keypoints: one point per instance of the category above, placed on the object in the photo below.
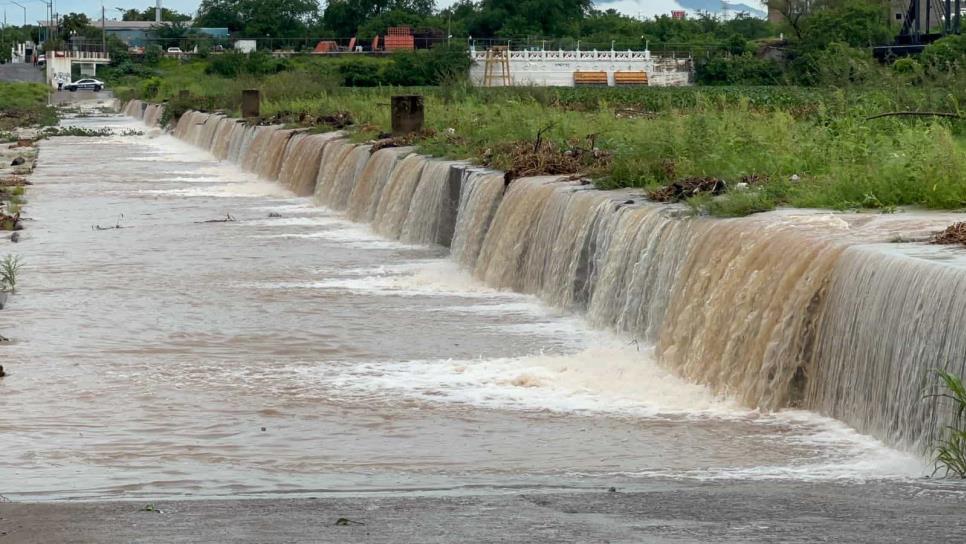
pixel 806 147
pixel 950 451
pixel 25 104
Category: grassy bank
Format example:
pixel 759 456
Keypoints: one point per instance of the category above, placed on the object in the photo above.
pixel 24 104
pixel 801 147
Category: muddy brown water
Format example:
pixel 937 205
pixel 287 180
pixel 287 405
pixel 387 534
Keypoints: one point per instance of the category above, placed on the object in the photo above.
pixel 306 354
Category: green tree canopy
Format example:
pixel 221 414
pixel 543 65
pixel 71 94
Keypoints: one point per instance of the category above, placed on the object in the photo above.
pixel 148 14
pixel 277 18
pixel 346 17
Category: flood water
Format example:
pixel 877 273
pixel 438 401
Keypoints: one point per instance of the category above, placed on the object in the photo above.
pixel 304 354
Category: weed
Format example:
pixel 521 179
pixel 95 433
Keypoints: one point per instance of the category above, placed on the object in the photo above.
pixel 9 269
pixel 950 450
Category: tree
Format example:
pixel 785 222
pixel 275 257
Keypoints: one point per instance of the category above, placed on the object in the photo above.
pixel 149 15
pixel 346 17
pixel 793 12
pixel 276 18
pixel 73 24
pixel 857 23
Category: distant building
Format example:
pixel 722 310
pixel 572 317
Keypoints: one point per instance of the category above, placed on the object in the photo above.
pixel 679 14
pixel 23 53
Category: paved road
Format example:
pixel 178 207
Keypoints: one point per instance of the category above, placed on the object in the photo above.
pixel 21 72
pixel 744 511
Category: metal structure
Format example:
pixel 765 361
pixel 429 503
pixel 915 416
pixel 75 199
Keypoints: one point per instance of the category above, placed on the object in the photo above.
pixel 925 21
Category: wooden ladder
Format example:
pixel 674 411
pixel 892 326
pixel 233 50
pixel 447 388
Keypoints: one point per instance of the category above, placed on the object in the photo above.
pixel 497 57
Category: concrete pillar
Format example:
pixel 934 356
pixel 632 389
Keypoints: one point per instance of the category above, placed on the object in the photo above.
pixel 451 205
pixel 251 100
pixel 407 114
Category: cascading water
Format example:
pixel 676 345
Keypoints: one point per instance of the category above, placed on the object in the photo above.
pixel 397 196
pixel 432 215
pixel 480 194
pixel 895 319
pixel 774 310
pixel 366 188
pixel 300 166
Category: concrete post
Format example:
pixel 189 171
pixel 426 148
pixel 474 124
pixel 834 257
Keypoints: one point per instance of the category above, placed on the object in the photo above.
pixel 251 99
pixel 407 114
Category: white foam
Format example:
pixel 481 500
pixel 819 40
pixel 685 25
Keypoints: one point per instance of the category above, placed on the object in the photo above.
pixel 248 189
pixel 602 379
pixel 440 277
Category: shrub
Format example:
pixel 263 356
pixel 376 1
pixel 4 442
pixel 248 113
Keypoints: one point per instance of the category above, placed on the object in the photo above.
pixel 9 268
pixel 150 87
pixel 950 451
pixel 837 65
pixel 946 53
pixel 355 73
pixel 448 63
pixel 256 63
pixel 407 69
pixel 745 69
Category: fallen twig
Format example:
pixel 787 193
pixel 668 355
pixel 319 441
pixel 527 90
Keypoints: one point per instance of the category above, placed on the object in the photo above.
pixel 228 218
pixel 916 114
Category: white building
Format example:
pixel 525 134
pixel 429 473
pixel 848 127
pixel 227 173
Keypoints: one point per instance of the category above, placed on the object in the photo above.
pixel 23 53
pixel 568 68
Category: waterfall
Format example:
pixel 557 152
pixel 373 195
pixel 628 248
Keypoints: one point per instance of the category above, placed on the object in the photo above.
pixel 397 197
pixel 775 309
pixel 251 158
pixel 270 160
pixel 507 241
pixel 366 187
pixel 149 114
pixel 895 319
pixel 300 166
pixel 432 215
pixel 742 307
pixel 349 170
pixel 480 193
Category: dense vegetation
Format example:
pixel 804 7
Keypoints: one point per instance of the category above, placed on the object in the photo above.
pixel 796 146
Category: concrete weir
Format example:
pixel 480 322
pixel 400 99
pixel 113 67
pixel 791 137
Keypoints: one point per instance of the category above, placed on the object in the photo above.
pixel 773 310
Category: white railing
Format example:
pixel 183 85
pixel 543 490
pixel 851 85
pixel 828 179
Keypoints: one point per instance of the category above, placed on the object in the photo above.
pixel 560 55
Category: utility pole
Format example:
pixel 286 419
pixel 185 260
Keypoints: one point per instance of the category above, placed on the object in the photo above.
pixel 103 32
pixel 24 12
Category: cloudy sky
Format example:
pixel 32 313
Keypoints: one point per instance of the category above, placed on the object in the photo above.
pixel 35 9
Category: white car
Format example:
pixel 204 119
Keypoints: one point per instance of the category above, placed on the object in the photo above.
pixel 175 51
pixel 89 84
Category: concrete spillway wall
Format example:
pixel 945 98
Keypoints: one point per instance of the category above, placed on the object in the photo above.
pixel 790 308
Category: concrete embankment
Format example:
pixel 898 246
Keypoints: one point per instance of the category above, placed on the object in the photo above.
pixel 738 305
pixel 750 511
pixel 27 73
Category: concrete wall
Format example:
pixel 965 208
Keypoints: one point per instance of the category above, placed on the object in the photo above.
pixel 556 68
pixel 59 65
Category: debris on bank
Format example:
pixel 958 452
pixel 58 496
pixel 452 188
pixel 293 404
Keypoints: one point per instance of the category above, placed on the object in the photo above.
pixel 954 234
pixel 687 188
pixel 545 157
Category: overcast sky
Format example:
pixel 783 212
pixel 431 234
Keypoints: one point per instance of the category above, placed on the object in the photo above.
pixel 35 8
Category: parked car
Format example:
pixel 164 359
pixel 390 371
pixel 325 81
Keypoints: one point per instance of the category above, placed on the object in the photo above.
pixel 85 85
pixel 41 60
pixel 175 51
